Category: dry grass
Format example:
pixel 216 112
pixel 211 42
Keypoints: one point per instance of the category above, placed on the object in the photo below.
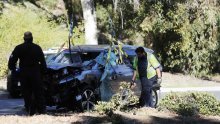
pixel 54 119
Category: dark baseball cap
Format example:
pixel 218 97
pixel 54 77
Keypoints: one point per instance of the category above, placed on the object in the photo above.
pixel 140 50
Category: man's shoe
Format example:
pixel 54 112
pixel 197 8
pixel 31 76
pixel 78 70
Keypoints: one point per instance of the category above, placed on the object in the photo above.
pixel 42 111
pixel 32 111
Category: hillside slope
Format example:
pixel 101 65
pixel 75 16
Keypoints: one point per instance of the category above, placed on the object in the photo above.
pixel 19 18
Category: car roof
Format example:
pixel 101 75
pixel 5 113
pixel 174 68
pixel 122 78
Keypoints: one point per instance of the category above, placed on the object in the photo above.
pixel 87 48
pixel 131 47
pixel 99 48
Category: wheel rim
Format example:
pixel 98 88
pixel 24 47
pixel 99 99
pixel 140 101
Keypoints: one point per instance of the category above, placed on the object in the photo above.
pixel 88 99
pixel 124 96
pixel 154 98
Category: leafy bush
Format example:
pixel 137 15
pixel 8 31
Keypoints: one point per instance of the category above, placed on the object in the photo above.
pixel 207 104
pixel 188 108
pixel 104 107
pixel 1 6
pixel 189 104
pixel 16 20
pixel 187 33
pixel 120 101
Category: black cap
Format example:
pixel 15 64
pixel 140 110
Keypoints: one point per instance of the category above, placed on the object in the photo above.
pixel 28 35
pixel 140 50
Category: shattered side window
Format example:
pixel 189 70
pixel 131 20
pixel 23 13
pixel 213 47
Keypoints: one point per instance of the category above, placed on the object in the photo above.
pixel 86 56
pixel 49 57
pixel 67 60
pixel 58 58
pixel 108 60
pixel 130 55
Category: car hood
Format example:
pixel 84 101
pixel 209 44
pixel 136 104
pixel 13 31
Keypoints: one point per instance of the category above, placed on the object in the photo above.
pixel 57 66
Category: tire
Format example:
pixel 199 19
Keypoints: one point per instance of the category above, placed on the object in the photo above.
pixel 12 91
pixel 154 98
pixel 14 94
pixel 88 99
pixel 124 96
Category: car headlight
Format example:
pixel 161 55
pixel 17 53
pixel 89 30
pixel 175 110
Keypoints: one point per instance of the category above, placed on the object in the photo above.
pixel 65 71
pixel 55 76
pixel 19 83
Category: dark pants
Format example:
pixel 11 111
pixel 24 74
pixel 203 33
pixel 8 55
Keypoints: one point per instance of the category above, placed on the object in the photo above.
pixel 32 90
pixel 146 92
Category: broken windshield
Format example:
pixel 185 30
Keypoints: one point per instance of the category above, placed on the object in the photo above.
pixel 65 58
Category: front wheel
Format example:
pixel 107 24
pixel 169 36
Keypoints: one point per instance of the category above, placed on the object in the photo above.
pixel 154 98
pixel 14 94
pixel 88 99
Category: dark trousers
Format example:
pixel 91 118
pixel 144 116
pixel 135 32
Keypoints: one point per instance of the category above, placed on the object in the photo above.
pixel 146 92
pixel 32 90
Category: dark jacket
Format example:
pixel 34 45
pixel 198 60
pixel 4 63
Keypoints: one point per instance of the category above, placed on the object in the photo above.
pixel 30 55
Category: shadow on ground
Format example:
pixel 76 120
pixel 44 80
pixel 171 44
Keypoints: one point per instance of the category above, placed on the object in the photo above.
pixel 90 118
pixel 183 120
pixel 120 119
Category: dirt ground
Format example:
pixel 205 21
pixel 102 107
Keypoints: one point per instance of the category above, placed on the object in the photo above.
pixel 139 116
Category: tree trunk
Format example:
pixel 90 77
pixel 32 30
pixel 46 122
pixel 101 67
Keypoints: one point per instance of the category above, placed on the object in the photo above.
pixel 90 22
pixel 69 8
pixel 115 3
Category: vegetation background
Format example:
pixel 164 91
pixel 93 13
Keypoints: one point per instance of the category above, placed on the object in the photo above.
pixel 185 34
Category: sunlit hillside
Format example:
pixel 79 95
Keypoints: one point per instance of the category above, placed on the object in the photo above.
pixel 16 19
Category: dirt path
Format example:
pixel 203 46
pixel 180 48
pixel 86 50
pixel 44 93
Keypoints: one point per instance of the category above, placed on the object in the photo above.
pixel 179 80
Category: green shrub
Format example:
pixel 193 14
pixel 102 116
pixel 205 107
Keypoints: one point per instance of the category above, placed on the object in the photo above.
pixel 188 108
pixel 1 6
pixel 207 104
pixel 104 107
pixel 185 36
pixel 189 104
pixel 118 102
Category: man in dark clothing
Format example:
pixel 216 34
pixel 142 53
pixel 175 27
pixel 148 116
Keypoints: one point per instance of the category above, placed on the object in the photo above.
pixel 146 66
pixel 141 67
pixel 32 64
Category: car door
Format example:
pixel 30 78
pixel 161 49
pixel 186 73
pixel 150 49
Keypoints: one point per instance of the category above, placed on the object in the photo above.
pixel 122 73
